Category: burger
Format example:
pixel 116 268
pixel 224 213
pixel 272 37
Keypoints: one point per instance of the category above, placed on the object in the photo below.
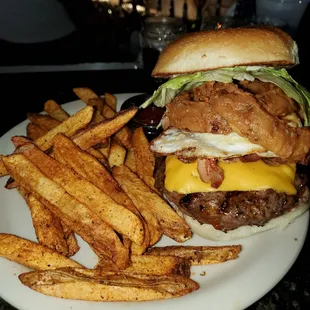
pixel 236 135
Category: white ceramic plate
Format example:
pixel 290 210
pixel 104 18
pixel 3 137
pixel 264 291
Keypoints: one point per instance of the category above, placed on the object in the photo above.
pixel 264 260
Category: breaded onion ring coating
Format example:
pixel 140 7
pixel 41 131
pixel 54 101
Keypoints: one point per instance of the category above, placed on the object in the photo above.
pixel 248 118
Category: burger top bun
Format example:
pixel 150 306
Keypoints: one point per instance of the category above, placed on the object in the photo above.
pixel 222 48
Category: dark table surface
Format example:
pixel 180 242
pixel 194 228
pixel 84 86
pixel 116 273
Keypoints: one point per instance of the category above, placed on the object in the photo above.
pixel 22 93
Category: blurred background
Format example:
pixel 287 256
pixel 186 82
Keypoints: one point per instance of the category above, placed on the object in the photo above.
pixel 47 47
pixel 53 35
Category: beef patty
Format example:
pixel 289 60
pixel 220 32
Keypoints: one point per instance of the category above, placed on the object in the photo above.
pixel 230 210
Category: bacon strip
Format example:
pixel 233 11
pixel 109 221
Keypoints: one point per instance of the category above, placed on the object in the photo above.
pixel 209 171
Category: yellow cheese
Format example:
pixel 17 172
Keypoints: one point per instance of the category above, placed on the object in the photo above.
pixel 184 178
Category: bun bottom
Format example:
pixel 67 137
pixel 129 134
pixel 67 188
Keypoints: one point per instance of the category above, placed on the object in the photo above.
pixel 207 231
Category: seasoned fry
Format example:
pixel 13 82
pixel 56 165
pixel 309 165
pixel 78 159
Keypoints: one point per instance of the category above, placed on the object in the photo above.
pixel 130 160
pixel 79 218
pixel 32 254
pixel 19 141
pixel 110 100
pixel 73 246
pixel 3 170
pixel 71 284
pixel 155 230
pixel 140 249
pixel 104 129
pixel 44 121
pixel 115 215
pixel 34 131
pixel 68 127
pixel 96 102
pixel 99 156
pixel 144 158
pixel 199 255
pixel 89 168
pixel 108 112
pixel 143 197
pixel 105 150
pixel 149 265
pixel 47 226
pixel 117 154
pixel 97 118
pixel 53 109
pixel 85 94
pixel 123 136
pixel 168 265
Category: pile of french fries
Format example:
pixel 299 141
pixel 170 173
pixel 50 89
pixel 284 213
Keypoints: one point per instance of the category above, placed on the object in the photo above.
pixel 88 174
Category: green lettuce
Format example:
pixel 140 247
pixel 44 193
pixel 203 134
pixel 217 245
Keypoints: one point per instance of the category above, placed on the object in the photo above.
pixel 292 89
pixel 280 77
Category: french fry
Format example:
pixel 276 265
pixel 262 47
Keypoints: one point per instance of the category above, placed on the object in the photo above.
pixel 104 129
pixel 115 215
pixel 32 254
pixel 73 246
pixel 144 158
pixel 97 118
pixel 142 196
pixel 130 160
pixel 53 109
pixel 3 170
pixel 89 97
pixel 44 121
pixel 168 265
pixel 155 230
pixel 199 255
pixel 19 141
pixel 123 136
pixel 137 249
pixel 110 100
pixel 89 168
pixel 96 102
pixel 34 131
pixel 117 154
pixel 68 127
pixel 70 284
pixel 85 94
pixel 105 150
pixel 99 156
pixel 79 218
pixel 149 265
pixel 107 111
pixel 47 226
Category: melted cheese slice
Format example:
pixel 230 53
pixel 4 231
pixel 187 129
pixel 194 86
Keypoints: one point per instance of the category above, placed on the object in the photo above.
pixel 184 178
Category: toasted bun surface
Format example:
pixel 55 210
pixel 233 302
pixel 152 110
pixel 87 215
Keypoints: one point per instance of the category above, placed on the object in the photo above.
pixel 207 231
pixel 213 49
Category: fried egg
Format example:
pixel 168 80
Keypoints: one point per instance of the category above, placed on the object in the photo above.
pixel 192 145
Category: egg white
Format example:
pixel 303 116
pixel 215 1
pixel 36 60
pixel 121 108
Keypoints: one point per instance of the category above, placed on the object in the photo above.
pixel 193 144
